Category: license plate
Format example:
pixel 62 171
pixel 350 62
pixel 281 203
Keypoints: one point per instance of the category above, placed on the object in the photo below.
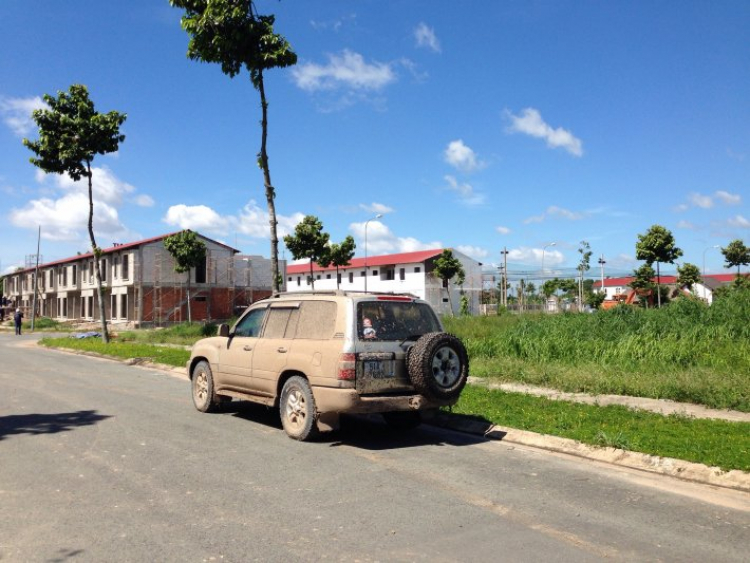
pixel 378 369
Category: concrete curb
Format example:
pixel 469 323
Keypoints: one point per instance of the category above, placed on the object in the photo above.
pixel 685 470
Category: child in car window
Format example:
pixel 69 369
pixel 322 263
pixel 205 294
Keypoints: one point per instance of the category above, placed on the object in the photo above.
pixel 368 331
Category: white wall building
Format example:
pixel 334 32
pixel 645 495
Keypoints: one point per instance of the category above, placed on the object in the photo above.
pixel 409 272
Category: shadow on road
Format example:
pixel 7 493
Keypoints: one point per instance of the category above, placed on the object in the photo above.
pixel 35 424
pixel 370 431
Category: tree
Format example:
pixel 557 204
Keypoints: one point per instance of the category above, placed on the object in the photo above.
pixel 188 252
pixel 233 34
pixel 446 268
pixel 549 287
pixel 736 254
pixel 309 241
pixel 341 255
pixel 71 134
pixel 657 245
pixel 688 274
pixel 583 266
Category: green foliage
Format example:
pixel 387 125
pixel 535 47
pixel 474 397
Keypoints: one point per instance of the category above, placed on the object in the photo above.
pixel 688 275
pixel 231 33
pixel 311 242
pixel 187 250
pixel 657 245
pixel 711 442
pixel 341 254
pixel 643 277
pixel 465 304
pixel 686 351
pixel 448 267
pixel 72 132
pixel 736 254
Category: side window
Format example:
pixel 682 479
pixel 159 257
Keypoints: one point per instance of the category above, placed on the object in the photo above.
pixel 317 320
pixel 250 324
pixel 277 321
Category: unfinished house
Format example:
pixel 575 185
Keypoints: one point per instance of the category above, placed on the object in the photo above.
pixel 141 285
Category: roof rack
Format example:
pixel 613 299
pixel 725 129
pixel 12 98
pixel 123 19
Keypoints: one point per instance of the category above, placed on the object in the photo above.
pixel 340 292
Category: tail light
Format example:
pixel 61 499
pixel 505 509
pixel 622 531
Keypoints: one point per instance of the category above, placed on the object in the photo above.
pixel 347 366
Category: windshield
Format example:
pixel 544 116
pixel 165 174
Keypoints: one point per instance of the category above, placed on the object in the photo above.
pixel 394 320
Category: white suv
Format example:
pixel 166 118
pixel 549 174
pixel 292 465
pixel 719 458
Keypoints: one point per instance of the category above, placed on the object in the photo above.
pixel 317 355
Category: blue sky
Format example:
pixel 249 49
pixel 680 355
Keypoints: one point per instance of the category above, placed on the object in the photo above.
pixel 474 125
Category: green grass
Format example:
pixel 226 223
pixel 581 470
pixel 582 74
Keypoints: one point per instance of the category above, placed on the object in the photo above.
pixel 124 350
pixel 685 351
pixel 185 333
pixel 710 442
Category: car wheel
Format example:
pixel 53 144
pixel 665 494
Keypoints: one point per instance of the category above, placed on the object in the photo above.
pixel 402 420
pixel 202 382
pixel 297 409
pixel 438 366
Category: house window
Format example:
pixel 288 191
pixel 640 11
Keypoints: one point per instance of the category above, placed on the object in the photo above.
pixel 374 272
pixel 201 270
pixel 113 306
pixel 317 277
pixel 389 274
pixel 115 263
pixel 351 277
pixel 51 279
pixel 126 266
pixel 65 279
pixel 417 269
pixel 290 279
pixel 338 279
pixel 328 276
pixel 363 274
pixel 103 266
pixel 74 273
pixel 123 306
pixel 91 271
pixel 299 280
pixel 402 274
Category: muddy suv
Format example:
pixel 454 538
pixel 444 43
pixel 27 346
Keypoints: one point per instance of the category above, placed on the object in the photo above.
pixel 315 356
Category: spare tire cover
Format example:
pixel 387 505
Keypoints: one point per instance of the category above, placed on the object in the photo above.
pixel 438 365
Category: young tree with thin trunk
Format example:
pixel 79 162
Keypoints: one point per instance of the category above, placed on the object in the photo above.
pixel 233 34
pixel 341 255
pixel 657 245
pixel 688 275
pixel 188 252
pixel 736 254
pixel 448 267
pixel 309 241
pixel 71 134
pixel 583 266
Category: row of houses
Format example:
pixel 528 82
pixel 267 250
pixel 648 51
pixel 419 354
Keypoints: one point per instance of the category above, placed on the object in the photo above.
pixel 617 290
pixel 142 288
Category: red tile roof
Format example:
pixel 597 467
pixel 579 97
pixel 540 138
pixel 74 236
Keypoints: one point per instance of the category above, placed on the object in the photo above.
pixel 624 281
pixel 372 261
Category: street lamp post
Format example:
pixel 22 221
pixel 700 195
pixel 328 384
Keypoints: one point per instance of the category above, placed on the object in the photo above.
pixel 542 280
pixel 503 293
pixel 601 264
pixel 367 270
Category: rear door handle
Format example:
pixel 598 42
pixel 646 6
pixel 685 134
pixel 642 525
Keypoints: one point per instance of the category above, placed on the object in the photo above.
pixel 247 348
pixel 281 350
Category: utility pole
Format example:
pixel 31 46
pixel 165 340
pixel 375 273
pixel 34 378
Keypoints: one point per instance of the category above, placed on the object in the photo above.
pixel 504 292
pixel 601 264
pixel 36 279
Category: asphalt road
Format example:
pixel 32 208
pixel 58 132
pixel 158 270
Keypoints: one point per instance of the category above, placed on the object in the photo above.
pixel 104 462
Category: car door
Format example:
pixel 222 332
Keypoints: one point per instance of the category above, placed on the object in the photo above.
pixel 272 349
pixel 237 357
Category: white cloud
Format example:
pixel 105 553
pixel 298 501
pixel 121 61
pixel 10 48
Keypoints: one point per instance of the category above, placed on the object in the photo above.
pixel 474 251
pixel 530 122
pixel 703 201
pixel 66 218
pixel 465 192
pixel 681 208
pixel 106 186
pixel 376 208
pixel 503 230
pixel 380 240
pixel 425 37
pixel 554 211
pixel 686 225
pixel 525 255
pixel 739 222
pixel 461 157
pixel 729 199
pixel 144 201
pixel 16 113
pixel 347 70
pixel 251 220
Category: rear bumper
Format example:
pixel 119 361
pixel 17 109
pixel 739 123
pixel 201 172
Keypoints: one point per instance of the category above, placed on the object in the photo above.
pixel 328 399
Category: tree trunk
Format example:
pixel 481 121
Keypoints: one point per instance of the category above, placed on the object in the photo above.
pixel 658 286
pixel 95 250
pixel 190 317
pixel 270 192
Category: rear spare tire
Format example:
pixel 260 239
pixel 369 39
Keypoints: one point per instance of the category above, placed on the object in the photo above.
pixel 438 366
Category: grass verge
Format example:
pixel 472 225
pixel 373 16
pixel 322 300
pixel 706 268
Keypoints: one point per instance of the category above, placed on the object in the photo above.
pixel 123 350
pixel 710 442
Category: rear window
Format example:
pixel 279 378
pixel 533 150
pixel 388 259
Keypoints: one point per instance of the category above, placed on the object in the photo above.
pixel 316 320
pixel 394 320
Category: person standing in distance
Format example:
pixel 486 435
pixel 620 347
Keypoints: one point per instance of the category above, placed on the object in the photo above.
pixel 17 318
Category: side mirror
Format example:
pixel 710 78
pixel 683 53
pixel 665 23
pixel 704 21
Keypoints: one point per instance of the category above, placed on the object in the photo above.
pixel 223 330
